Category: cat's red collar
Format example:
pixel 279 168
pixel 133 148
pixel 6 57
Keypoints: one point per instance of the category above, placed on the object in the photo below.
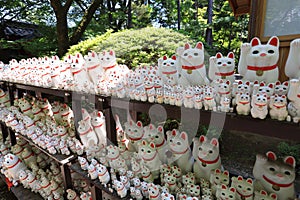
pixel 278 107
pixel 209 161
pixel 159 145
pixel 109 67
pixel 224 74
pixel 277 184
pixel 192 67
pixel 171 72
pixel 261 68
pixel 244 102
pixel 93 67
pixel 244 196
pixel 152 158
pixel 12 166
pixel 183 152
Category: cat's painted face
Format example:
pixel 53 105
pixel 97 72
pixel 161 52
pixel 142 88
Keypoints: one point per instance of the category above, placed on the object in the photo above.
pixel 281 89
pixel 226 193
pixel 193 56
pixel 221 177
pixel 263 54
pixel 225 64
pixel 208 150
pixel 147 151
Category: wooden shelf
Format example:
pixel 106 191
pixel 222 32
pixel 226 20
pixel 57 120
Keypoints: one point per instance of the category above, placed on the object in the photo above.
pixel 22 193
pixel 219 120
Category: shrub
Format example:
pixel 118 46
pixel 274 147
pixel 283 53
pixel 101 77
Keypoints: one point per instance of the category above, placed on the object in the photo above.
pixel 136 47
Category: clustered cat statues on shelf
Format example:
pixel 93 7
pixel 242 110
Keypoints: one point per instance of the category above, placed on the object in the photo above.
pixel 33 169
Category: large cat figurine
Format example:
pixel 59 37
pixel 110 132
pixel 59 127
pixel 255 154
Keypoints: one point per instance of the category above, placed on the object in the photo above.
pixel 221 67
pixel 275 176
pixel 191 66
pixel 292 66
pixel 259 61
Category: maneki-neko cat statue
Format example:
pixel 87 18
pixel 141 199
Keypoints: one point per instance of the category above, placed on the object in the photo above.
pixel 191 65
pixel 292 66
pixel 258 62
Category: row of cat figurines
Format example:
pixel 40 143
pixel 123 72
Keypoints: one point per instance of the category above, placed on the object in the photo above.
pixel 257 62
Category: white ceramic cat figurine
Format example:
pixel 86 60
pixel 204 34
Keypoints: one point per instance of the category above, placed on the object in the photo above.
pixel 294 97
pixel 87 134
pixel 221 67
pixel 263 195
pixel 217 178
pixel 259 61
pixel 292 65
pixel 281 89
pixel 119 186
pixel 244 188
pixel 278 107
pixel 240 88
pixel 207 157
pixel 275 176
pixel 224 192
pixel 209 101
pixel 225 104
pixel 149 155
pixel 259 106
pixel 13 166
pixel 92 64
pixel 167 68
pixel 243 103
pixel 134 133
pixel 191 67
pixel 181 152
pixel 99 126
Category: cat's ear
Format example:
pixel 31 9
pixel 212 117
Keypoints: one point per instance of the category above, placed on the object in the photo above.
pixel 111 52
pixel 187 46
pixel 230 55
pixel 263 192
pixel 226 173
pixel 173 57
pixel 249 180
pixel 239 178
pixel 223 186
pixel 202 138
pixel 217 171
pixel 219 55
pixel 283 96
pixel 255 41
pixel 199 45
pixel 232 189
pixel 174 132
pixel 152 145
pixel 274 41
pixel 262 84
pixel 273 196
pixel 160 129
pixel 214 142
pixel 271 155
pixel 270 85
pixel 290 160
pixel 144 142
pixel 228 82
pixel 139 124
pixel 277 83
pixel 183 135
pixel 165 57
pixel 286 83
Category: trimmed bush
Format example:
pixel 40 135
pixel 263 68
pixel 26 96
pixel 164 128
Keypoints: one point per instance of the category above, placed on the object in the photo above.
pixel 136 47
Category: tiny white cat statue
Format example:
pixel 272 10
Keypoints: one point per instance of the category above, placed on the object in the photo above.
pixel 281 89
pixel 259 61
pixel 292 66
pixel 278 109
pixel 87 135
pixel 92 64
pixel 243 103
pixel 224 192
pixel 263 195
pixel 181 151
pixel 13 166
pixel 244 188
pixel 294 97
pixel 259 105
pixel 221 67
pixel 99 126
pixel 207 157
pixel 275 176
pixel 167 68
pixel 217 178
pixel 191 67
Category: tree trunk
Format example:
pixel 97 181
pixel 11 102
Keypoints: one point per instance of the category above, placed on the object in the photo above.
pixel 86 19
pixel 178 14
pixel 129 23
pixel 209 38
pixel 61 25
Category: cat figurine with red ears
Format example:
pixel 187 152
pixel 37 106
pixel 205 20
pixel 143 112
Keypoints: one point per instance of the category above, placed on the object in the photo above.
pixel 292 66
pixel 274 175
pixel 294 98
pixel 224 192
pixel 278 107
pixel 244 188
pixel 191 67
pixel 263 195
pixel 221 67
pixel 134 133
pixel 207 157
pixel 167 68
pixel 259 106
pixel 259 61
pixel 281 88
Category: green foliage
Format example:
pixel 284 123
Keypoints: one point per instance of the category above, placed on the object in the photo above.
pixel 136 47
pixel 87 45
pixel 286 149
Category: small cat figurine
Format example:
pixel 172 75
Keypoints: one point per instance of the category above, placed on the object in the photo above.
pixel 191 65
pixel 240 88
pixel 224 192
pixel 294 97
pixel 262 88
pixel 217 178
pixel 292 65
pixel 167 68
pixel 134 133
pixel 259 106
pixel 244 188
pixel 259 61
pixel 275 176
pixel 278 109
pixel 281 88
pixel 207 157
pixel 243 103
pixel 221 67
pixel 263 195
